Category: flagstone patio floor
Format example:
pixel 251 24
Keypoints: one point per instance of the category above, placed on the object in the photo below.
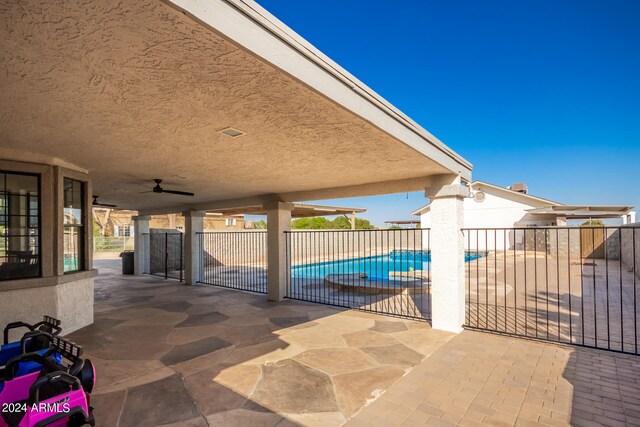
pixel 170 354
pixel 174 355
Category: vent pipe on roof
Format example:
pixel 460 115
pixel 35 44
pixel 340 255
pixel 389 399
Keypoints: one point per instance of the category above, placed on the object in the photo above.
pixel 520 187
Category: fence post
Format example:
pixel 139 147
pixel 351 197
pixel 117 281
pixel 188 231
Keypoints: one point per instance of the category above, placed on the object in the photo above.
pixel 166 255
pixel 181 257
pixel 447 253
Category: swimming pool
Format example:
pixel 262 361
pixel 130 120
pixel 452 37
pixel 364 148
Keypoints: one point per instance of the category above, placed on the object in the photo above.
pixel 375 267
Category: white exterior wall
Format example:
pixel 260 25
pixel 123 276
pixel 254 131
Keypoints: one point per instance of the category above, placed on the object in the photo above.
pixel 496 211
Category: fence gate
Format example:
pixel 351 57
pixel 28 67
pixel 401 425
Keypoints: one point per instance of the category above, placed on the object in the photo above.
pixel 592 243
pixel 381 271
pixel 574 285
pixel 166 255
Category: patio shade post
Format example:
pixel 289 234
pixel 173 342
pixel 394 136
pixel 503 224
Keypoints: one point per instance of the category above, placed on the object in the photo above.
pixel 141 249
pixel 193 224
pixel 447 253
pixel 278 221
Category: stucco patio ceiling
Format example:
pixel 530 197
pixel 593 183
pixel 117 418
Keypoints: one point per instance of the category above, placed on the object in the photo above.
pixel 139 90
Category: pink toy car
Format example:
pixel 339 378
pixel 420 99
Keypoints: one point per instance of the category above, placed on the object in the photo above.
pixel 57 395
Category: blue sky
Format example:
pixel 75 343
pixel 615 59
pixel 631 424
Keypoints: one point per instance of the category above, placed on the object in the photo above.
pixel 546 92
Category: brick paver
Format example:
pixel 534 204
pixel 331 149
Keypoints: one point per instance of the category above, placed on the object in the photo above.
pixel 484 379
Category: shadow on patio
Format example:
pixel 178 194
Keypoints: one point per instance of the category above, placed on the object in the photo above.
pixel 168 354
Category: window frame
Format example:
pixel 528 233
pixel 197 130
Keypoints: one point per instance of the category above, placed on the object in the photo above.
pixel 82 246
pixel 119 231
pixel 38 177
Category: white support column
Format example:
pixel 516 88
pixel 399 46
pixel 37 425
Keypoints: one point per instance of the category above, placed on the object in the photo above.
pixel 278 221
pixel 447 253
pixel 193 223
pixel 141 244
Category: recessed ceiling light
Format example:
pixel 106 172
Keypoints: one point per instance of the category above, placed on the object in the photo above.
pixel 233 133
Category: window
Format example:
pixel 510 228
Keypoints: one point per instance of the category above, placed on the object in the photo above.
pixel 122 230
pixel 19 225
pixel 229 222
pixel 73 225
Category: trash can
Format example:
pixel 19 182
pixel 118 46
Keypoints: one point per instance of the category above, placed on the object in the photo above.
pixel 127 262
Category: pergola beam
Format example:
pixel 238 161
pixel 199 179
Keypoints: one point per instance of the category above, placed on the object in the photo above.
pixel 372 189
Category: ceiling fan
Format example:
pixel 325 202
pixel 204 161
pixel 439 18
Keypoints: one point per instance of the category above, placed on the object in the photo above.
pixel 158 189
pixel 100 204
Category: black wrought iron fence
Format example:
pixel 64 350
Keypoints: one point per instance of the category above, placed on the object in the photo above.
pixel 234 259
pixel 381 271
pixel 166 255
pixel 575 285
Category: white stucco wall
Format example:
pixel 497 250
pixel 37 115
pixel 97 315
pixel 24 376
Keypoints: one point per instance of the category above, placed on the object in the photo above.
pixel 71 302
pixel 75 304
pixel 498 210
pixel 27 305
pixel 630 240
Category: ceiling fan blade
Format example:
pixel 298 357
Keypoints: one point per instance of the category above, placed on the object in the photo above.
pixel 181 193
pixel 97 203
pixel 142 185
pixel 148 191
pixel 104 205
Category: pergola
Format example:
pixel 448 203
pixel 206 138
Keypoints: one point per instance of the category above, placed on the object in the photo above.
pixel 404 222
pixel 218 98
pixel 586 212
pixel 298 210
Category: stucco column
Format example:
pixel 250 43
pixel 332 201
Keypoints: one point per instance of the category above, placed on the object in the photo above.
pixel 141 244
pixel 447 255
pixel 193 224
pixel 278 221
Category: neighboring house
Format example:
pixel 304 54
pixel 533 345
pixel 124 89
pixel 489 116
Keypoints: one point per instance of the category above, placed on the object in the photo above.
pixel 119 223
pixel 492 206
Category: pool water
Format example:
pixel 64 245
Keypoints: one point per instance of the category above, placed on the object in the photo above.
pixel 71 264
pixel 375 267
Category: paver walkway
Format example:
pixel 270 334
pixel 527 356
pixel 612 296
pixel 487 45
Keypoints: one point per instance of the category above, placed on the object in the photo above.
pixel 482 379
